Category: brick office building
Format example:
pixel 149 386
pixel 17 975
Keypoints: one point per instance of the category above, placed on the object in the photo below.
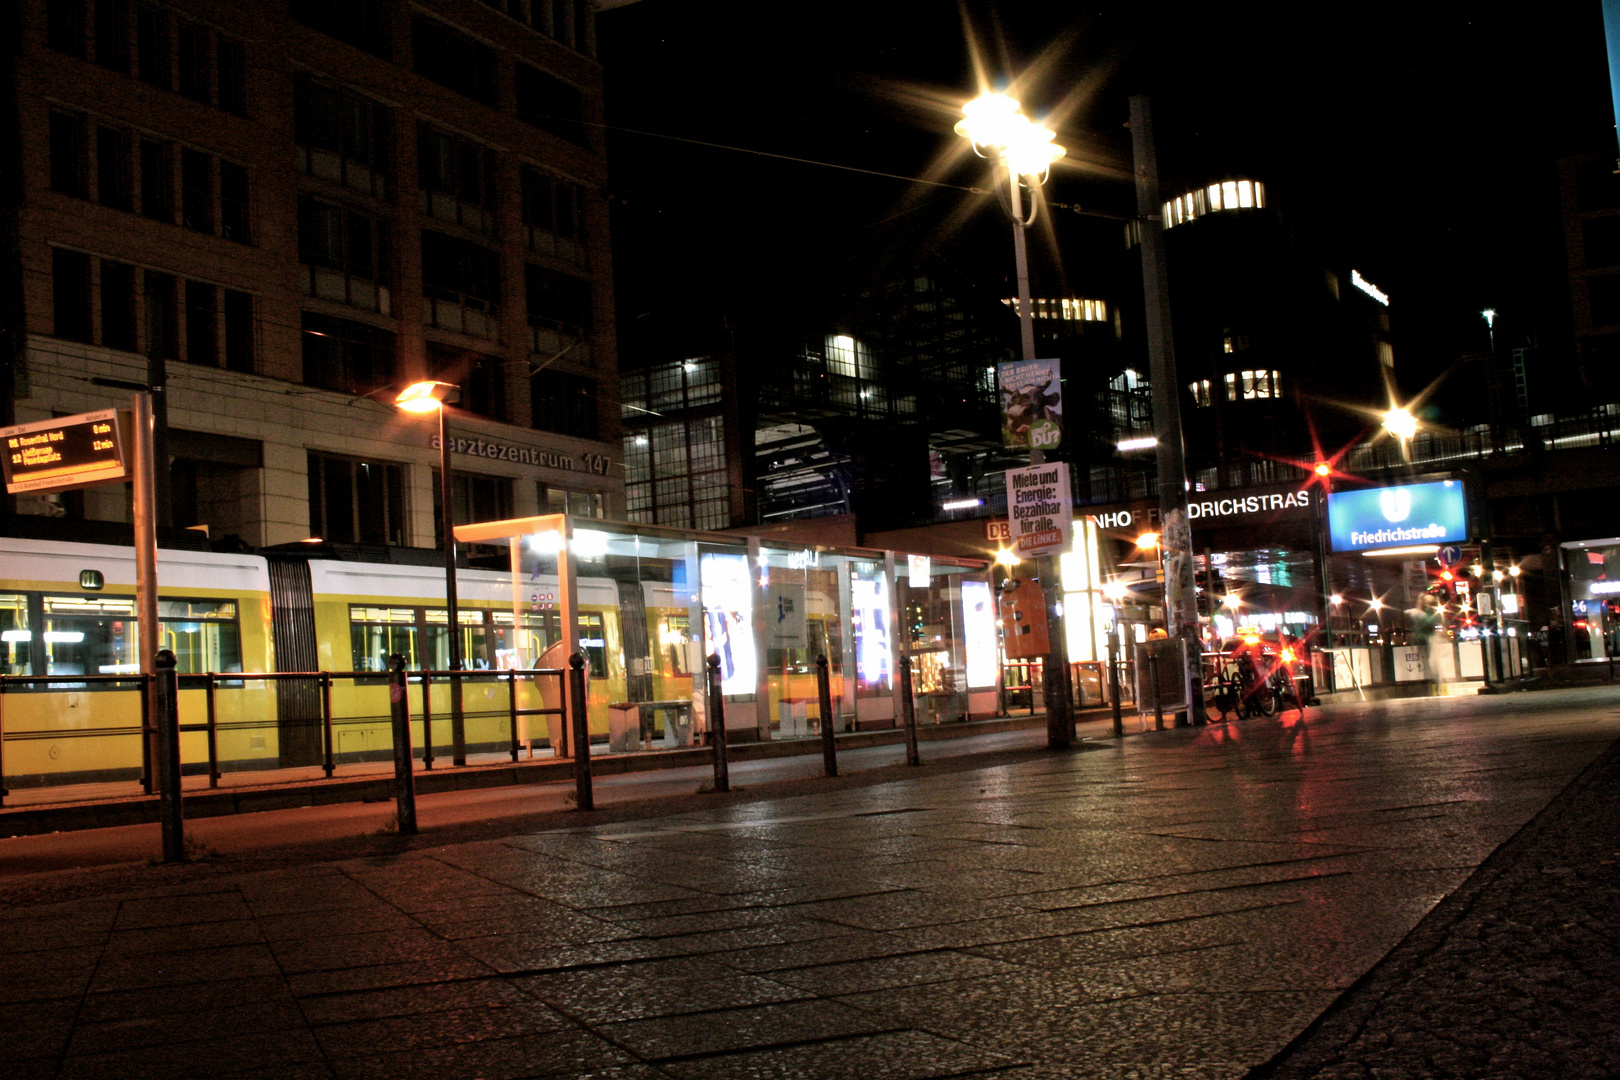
pixel 276 215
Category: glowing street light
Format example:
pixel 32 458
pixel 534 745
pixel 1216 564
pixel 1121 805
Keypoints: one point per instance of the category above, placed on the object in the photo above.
pixel 1400 423
pixel 426 397
pixel 999 132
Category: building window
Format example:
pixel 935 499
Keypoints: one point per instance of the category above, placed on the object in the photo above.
pixel 482 377
pixel 846 356
pixel 583 504
pixel 1253 385
pixel 550 104
pixel 67 153
pixel 70 295
pixel 118 306
pixel 64 26
pixel 1603 296
pixel 1227 195
pixel 473 498
pixel 342 137
pixel 195 62
pixel 196 191
pixel 152 59
pixel 354 501
pixel 202 324
pixel 553 216
pixel 348 357
pixel 557 301
pixel 461 282
pixel 239 331
pixel 1200 393
pixel 452 59
pixel 457 179
pixel 361 23
pixel 234 208
pixel 564 403
pixel 113 168
pixel 231 66
pixel 157 181
pixel 344 253
pixel 112 34
pixel 162 316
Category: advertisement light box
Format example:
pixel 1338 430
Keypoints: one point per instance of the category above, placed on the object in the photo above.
pixel 1373 518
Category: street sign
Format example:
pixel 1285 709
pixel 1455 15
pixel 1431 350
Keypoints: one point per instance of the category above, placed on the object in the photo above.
pixel 1450 555
pixel 64 453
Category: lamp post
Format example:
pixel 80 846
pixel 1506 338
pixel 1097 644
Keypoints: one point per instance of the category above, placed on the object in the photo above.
pixel 425 397
pixel 997 131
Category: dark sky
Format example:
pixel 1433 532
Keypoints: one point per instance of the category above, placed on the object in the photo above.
pixel 1417 139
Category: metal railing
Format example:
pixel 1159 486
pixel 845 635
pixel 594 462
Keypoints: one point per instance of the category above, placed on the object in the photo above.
pixel 112 760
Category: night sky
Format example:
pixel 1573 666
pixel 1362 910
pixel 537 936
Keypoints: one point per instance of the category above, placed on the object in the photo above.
pixel 1417 140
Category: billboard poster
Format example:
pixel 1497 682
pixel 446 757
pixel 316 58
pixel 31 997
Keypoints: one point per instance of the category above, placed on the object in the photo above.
pixel 1400 516
pixel 1040 508
pixel 728 615
pixel 867 596
pixel 979 632
pixel 1031 404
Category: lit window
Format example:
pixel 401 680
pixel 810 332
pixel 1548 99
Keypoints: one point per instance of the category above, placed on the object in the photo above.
pixel 1226 195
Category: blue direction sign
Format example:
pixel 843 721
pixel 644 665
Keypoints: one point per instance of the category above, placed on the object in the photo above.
pixel 1450 555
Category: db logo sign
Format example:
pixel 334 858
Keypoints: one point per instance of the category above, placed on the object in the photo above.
pixel 998 530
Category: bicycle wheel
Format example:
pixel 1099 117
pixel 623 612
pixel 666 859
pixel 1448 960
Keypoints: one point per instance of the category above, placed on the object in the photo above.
pixel 1265 702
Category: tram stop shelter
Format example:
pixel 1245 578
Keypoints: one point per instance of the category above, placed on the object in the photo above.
pixel 645 605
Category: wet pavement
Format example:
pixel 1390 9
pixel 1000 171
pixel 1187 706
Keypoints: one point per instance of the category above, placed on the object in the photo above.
pixel 1183 903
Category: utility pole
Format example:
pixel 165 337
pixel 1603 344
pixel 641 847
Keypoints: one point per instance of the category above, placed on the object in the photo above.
pixel 1175 536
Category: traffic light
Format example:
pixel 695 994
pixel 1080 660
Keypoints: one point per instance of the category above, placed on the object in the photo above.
pixel 1023 619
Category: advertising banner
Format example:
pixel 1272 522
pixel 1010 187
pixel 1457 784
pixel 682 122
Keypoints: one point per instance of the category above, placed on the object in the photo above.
pixel 1401 516
pixel 1031 404
pixel 1040 508
pixel 728 613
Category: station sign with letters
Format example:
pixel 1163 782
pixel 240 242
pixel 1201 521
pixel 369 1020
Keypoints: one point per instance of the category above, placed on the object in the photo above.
pixel 1400 516
pixel 1210 508
pixel 67 452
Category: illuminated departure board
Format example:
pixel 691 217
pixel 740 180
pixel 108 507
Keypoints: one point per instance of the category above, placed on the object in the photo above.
pixel 67 452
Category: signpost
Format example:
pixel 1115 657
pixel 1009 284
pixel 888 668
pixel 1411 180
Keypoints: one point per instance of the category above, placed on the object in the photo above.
pixel 67 452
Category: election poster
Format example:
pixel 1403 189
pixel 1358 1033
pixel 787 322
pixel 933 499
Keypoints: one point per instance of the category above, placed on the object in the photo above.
pixel 1031 404
pixel 1040 508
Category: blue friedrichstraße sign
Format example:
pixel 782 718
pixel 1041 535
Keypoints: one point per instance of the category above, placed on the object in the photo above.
pixel 1372 518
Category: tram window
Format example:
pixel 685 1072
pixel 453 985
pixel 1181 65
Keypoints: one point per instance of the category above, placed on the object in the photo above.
pixel 593 643
pixel 100 635
pixel 376 633
pixel 16 640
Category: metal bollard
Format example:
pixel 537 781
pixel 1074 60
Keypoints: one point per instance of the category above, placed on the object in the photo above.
pixel 908 712
pixel 404 780
pixel 829 745
pixel 584 798
pixel 167 698
pixel 1113 682
pixel 717 726
pixel 1158 698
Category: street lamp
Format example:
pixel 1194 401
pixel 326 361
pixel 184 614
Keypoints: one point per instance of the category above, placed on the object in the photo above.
pixel 1400 423
pixel 426 397
pixel 999 132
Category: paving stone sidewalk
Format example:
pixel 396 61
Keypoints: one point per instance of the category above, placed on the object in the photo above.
pixel 1180 904
pixel 1517 974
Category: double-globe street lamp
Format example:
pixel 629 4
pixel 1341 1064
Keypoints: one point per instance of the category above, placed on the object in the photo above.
pixel 998 131
pixel 426 397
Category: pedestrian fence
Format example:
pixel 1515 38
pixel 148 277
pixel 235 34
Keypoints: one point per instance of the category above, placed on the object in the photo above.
pixel 57 730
